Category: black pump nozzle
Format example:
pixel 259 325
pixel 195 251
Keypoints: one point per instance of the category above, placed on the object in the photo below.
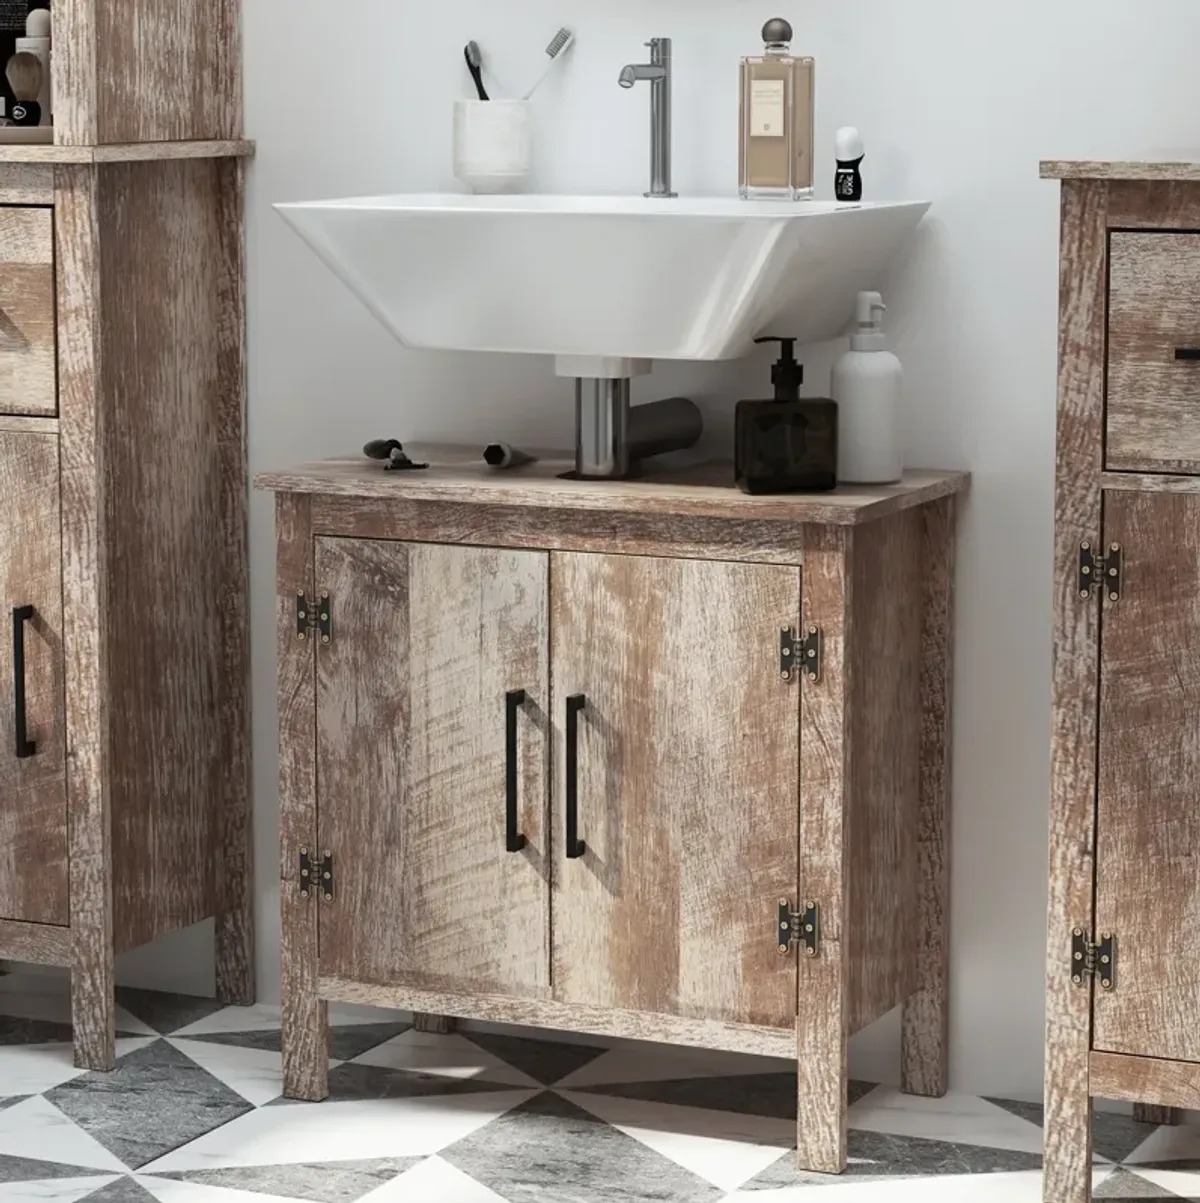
pixel 787 375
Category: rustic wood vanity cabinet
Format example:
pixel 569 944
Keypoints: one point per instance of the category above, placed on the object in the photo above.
pixel 124 769
pixel 1123 993
pixel 546 759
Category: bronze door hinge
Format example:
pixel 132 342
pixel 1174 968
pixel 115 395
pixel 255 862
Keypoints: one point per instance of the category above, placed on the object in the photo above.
pixel 314 617
pixel 798 927
pixel 316 876
pixel 800 655
pixel 1100 571
pixel 1094 960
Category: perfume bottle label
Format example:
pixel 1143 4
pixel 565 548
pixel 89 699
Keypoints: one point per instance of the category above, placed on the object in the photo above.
pixel 767 108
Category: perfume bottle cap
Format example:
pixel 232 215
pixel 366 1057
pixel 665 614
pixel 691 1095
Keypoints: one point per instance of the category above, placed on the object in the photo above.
pixel 37 24
pixel 777 32
pixel 849 144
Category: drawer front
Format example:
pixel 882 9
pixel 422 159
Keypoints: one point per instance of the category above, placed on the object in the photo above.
pixel 1154 353
pixel 33 800
pixel 27 340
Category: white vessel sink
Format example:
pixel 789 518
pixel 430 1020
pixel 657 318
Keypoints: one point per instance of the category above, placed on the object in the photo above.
pixel 604 276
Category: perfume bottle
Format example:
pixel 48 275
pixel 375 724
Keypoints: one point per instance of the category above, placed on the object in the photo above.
pixel 777 120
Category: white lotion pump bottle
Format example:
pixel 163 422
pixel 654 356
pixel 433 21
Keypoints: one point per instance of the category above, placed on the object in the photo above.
pixel 867 384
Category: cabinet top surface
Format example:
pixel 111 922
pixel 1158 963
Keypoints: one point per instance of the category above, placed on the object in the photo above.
pixel 134 152
pixel 706 490
pixel 1126 169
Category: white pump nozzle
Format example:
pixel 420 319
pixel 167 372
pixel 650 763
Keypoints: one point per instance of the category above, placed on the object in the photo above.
pixel 868 334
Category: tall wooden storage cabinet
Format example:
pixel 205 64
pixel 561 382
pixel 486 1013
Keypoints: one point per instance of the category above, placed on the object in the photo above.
pixel 124 772
pixel 1123 1004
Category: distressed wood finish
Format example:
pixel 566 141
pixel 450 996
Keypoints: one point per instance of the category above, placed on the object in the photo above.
pixel 1146 883
pixel 172 358
pixel 925 1039
pixel 26 185
pixel 707 490
pixel 688 731
pixel 884 788
pixel 27 351
pixel 1091 169
pixel 1174 1083
pixel 822 1025
pixel 305 1016
pixel 16 424
pixel 33 799
pixel 83 427
pixel 411 723
pixel 34 943
pixel 437 1025
pixel 1154 293
pixel 588 1020
pixel 146 71
pixel 35 162
pixel 1158 205
pixel 1083 283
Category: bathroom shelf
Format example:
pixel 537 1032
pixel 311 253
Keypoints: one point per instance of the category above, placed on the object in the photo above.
pixel 137 152
pixel 1086 169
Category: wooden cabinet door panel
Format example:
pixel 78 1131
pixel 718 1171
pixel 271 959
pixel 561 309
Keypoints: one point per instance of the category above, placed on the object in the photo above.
pixel 411 765
pixel 28 380
pixel 688 786
pixel 33 797
pixel 1148 818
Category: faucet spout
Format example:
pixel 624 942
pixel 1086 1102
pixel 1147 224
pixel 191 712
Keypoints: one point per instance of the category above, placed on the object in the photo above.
pixel 658 73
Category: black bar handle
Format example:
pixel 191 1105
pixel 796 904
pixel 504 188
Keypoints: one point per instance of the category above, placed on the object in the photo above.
pixel 1192 353
pixel 575 846
pixel 25 746
pixel 514 841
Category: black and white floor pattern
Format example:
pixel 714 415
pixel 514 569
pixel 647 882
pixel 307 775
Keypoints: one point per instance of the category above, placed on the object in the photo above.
pixel 193 1114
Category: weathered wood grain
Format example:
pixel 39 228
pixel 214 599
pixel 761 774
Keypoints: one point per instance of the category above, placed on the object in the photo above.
pixel 1148 837
pixel 883 793
pixel 27 337
pixel 925 1039
pixel 689 733
pixel 1147 482
pixel 235 867
pixel 170 378
pixel 25 184
pixel 411 760
pixel 29 166
pixel 83 445
pixel 546 1013
pixel 1092 169
pixel 146 71
pixel 305 1017
pixel 706 490
pixel 1154 205
pixel 437 1025
pixel 33 791
pixel 1154 293
pixel 16 424
pixel 34 943
pixel 826 764
pixel 1148 1113
pixel 1171 1083
pixel 1082 330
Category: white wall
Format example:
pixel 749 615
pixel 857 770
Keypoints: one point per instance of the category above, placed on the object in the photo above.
pixel 957 103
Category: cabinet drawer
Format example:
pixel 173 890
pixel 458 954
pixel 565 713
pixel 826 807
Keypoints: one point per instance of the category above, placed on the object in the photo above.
pixel 27 340
pixel 1154 353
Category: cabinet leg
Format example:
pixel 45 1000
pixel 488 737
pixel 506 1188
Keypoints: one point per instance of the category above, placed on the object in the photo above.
pixel 926 1023
pixel 440 1025
pixel 305 1034
pixel 93 1006
pixel 1148 1113
pixel 1067 1166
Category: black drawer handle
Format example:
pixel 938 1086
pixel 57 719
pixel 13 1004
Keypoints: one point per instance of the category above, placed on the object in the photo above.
pixel 575 846
pixel 514 841
pixel 25 746
pixel 1189 353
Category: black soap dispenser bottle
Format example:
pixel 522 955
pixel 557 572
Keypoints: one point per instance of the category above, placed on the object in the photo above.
pixel 787 445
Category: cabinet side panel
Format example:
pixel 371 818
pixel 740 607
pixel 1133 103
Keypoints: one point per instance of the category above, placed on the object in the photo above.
pixel 1148 826
pixel 1082 326
pixel 882 800
pixel 687 798
pixel 174 495
pixel 167 70
pixel 33 801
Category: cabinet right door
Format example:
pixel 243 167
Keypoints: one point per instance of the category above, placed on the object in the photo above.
pixel 1148 815
pixel 678 767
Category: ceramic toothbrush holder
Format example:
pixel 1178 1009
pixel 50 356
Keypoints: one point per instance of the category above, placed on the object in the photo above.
pixel 493 144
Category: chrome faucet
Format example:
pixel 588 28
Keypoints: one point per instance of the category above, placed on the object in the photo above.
pixel 658 72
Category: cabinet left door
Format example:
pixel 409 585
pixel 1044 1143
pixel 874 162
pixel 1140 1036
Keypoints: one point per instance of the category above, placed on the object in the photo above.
pixel 432 753
pixel 33 795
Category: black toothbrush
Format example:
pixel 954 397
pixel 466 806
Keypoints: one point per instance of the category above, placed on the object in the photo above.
pixel 474 57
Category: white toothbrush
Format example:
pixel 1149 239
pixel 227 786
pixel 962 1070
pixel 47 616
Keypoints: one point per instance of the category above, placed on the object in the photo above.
pixel 559 45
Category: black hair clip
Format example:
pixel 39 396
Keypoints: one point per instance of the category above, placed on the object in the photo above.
pixel 391 450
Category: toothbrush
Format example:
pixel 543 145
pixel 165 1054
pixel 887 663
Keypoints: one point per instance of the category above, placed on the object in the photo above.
pixel 474 57
pixel 559 45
